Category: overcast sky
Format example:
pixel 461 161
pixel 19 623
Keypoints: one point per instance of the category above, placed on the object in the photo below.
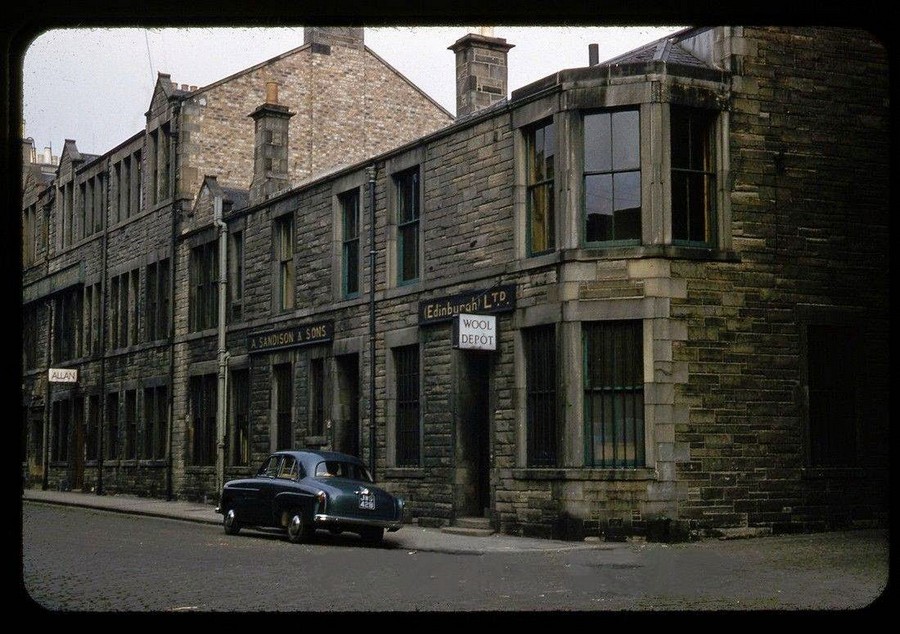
pixel 94 85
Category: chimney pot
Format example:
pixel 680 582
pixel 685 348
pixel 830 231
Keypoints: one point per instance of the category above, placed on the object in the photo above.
pixel 271 92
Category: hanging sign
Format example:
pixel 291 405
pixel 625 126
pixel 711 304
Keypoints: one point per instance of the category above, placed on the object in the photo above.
pixel 63 375
pixel 475 332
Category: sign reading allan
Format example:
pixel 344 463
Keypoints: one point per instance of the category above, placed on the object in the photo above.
pixel 63 375
pixel 475 332
pixel 319 332
pixel 499 299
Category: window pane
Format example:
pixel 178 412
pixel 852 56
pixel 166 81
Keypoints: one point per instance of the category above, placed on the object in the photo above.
pixel 626 140
pixel 597 143
pixel 409 252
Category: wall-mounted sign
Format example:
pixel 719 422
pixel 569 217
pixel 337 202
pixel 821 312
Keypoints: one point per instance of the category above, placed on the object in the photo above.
pixel 319 332
pixel 62 375
pixel 499 299
pixel 475 332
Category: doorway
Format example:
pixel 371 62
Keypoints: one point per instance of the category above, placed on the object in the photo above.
pixel 473 420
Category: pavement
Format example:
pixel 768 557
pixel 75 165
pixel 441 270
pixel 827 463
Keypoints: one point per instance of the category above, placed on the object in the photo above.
pixel 410 536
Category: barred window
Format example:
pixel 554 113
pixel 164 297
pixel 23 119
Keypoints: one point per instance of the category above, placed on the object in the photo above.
pixel 204 391
pixel 131 424
pixel 316 397
pixel 156 416
pixel 156 301
pixel 284 399
pixel 406 364
pixel 93 427
pixel 67 315
pixel 59 449
pixel 614 393
pixel 541 406
pixel 541 152
pixel 239 436
pixel 112 426
pixel 204 292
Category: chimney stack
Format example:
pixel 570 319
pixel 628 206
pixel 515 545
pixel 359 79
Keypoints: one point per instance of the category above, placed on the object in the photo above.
pixel 593 54
pixel 270 150
pixel 481 71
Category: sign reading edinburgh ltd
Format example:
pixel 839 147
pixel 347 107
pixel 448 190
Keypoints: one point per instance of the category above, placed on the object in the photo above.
pixel 320 332
pixel 499 299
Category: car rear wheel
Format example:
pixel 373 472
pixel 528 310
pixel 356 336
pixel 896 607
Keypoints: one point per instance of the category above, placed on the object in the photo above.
pixel 298 529
pixel 372 535
pixel 231 523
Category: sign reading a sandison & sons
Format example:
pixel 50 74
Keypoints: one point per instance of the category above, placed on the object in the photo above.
pixel 499 299
pixel 319 332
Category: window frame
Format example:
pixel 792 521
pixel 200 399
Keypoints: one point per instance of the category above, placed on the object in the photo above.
pixel 408 408
pixel 203 393
pixel 541 384
pixel 612 171
pixel 544 182
pixel 203 294
pixel 710 170
pixel 637 391
pixel 406 224
pixel 349 291
pixel 283 248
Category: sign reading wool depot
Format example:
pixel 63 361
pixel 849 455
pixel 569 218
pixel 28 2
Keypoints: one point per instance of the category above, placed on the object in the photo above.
pixel 499 299
pixel 475 332
pixel 320 332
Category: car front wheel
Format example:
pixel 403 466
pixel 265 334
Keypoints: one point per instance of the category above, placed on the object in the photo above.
pixel 231 524
pixel 298 529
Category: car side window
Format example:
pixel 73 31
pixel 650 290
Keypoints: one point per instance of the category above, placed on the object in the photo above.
pixel 330 468
pixel 272 467
pixel 288 469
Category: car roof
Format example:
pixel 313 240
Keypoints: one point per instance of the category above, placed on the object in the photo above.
pixel 309 455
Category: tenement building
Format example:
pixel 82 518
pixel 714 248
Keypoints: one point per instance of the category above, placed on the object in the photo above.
pixel 648 295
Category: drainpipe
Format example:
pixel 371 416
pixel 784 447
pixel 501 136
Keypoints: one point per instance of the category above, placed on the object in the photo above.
pixel 45 477
pixel 222 352
pixel 101 432
pixel 175 148
pixel 371 173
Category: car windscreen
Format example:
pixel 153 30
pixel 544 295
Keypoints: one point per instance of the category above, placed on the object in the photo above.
pixel 341 469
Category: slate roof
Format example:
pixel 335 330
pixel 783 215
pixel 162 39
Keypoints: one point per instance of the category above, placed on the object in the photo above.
pixel 666 49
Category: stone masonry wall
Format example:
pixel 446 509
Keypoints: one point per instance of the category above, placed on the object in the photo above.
pixel 809 123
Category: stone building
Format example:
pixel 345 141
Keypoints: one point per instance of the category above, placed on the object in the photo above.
pixel 646 295
pixel 102 241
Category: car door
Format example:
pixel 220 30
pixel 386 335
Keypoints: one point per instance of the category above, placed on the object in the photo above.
pixel 259 506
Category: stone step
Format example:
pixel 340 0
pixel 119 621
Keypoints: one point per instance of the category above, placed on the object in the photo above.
pixel 471 526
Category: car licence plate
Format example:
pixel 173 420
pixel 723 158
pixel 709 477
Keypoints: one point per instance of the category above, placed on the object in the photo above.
pixel 367 501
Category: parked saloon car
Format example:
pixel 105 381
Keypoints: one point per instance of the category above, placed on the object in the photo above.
pixel 301 491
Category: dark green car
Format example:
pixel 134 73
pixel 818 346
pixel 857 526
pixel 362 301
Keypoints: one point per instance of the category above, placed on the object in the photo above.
pixel 302 491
